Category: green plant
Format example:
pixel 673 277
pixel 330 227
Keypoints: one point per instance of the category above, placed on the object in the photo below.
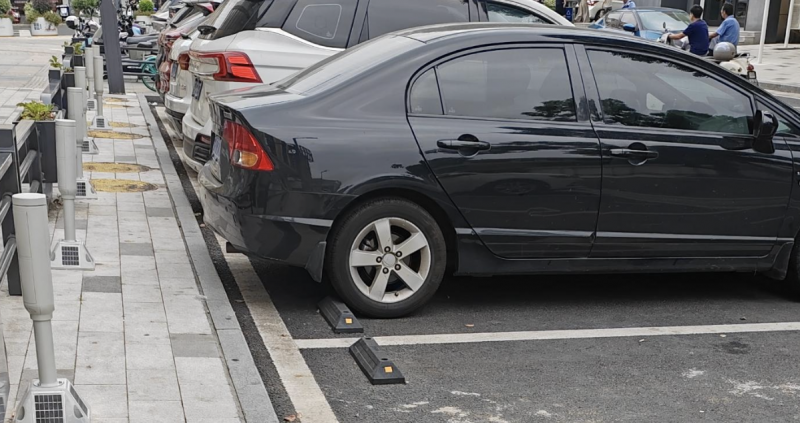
pixel 30 13
pixel 42 6
pixel 77 49
pixel 55 63
pixel 140 13
pixel 5 6
pixel 53 18
pixel 85 7
pixel 36 110
pixel 146 6
pixel 550 3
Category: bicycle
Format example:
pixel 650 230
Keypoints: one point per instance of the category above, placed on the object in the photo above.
pixel 149 68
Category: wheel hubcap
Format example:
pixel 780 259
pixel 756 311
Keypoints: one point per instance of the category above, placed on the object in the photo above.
pixel 390 260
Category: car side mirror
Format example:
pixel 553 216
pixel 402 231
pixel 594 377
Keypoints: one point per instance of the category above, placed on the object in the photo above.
pixel 765 125
pixel 629 27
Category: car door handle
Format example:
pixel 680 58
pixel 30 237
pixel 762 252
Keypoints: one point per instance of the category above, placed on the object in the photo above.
pixel 461 144
pixel 634 154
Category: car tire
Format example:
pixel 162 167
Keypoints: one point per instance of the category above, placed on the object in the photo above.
pixel 384 284
pixel 792 280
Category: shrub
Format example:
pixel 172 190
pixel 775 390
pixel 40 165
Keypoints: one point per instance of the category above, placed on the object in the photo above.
pixel 85 7
pixel 53 18
pixel 30 13
pixel 550 3
pixel 146 6
pixel 35 110
pixel 42 6
pixel 77 49
pixel 5 7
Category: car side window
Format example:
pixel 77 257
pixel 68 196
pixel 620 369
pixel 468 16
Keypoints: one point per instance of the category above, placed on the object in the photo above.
pixel 502 13
pixel 627 18
pixel 530 84
pixel 324 22
pixel 785 127
pixel 424 98
pixel 612 20
pixel 639 90
pixel 384 16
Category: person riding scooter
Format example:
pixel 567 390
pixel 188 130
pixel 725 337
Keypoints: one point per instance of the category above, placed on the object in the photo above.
pixel 697 31
pixel 728 32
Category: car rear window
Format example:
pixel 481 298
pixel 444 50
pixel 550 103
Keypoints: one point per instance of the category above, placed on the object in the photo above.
pixel 234 16
pixel 324 22
pixel 343 66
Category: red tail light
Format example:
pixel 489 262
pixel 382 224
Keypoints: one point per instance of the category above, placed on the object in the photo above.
pixel 230 66
pixel 750 67
pixel 183 61
pixel 244 149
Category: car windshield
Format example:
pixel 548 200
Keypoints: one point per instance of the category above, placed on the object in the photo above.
pixel 234 16
pixel 343 66
pixel 676 20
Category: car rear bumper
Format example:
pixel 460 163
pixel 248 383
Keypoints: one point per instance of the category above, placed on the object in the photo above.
pixel 177 106
pixel 290 240
pixel 196 151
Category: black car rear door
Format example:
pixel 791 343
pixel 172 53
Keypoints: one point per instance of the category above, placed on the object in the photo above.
pixel 503 133
pixel 680 178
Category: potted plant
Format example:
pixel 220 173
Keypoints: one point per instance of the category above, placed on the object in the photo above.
pixel 44 116
pixel 76 52
pixel 43 20
pixel 144 10
pixel 57 70
pixel 6 24
pixel 85 7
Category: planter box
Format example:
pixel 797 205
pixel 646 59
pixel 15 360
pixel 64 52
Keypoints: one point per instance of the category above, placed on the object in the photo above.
pixel 6 27
pixel 54 75
pixel 41 27
pixel 77 61
pixel 67 80
pixel 46 133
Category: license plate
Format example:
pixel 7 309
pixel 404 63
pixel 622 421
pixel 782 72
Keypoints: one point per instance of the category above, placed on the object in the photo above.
pixel 751 75
pixel 174 72
pixel 198 88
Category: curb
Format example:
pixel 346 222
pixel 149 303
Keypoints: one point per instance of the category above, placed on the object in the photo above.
pixel 786 88
pixel 250 390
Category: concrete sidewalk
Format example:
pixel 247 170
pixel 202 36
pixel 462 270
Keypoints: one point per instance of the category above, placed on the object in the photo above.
pixel 779 68
pixel 143 337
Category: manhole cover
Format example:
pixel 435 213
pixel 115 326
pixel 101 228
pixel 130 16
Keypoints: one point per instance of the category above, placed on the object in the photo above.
pixel 122 185
pixel 115 167
pixel 114 135
pixel 123 125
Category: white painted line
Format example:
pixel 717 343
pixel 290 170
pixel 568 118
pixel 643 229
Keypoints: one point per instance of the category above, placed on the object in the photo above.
pixel 302 388
pixel 464 338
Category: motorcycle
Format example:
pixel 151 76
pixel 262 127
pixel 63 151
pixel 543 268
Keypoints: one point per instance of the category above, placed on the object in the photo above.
pixel 722 53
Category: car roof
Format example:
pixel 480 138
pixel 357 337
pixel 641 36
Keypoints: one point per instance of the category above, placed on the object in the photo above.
pixel 655 9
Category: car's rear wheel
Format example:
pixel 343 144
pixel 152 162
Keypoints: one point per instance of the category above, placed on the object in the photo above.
pixel 386 258
pixel 792 280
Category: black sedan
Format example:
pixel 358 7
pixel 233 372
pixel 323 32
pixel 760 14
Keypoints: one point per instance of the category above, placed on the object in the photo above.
pixel 489 149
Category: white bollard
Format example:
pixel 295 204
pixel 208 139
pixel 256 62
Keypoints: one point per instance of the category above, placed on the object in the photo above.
pixel 99 120
pixel 58 396
pixel 85 189
pixel 88 146
pixel 89 59
pixel 69 253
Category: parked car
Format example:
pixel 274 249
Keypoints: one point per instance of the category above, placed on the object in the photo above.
pixel 492 149
pixel 179 80
pixel 197 14
pixel 648 23
pixel 261 41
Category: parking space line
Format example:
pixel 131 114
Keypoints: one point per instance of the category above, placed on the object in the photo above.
pixel 296 377
pixel 464 338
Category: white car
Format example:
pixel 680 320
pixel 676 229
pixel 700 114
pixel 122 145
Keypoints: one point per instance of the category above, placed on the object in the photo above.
pixel 262 41
pixel 178 98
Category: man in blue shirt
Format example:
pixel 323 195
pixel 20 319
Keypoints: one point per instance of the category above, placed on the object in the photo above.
pixel 697 31
pixel 729 30
pixel 628 4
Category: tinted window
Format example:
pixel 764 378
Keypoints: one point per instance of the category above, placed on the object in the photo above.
pixel 502 13
pixel 627 18
pixel 612 20
pixel 323 22
pixel 638 90
pixel 234 16
pixel 391 15
pixel 424 98
pixel 510 84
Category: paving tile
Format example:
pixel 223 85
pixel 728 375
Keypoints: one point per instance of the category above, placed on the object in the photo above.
pixel 101 312
pixel 141 294
pixel 192 345
pixel 186 314
pixel 208 402
pixel 101 358
pixel 67 310
pixel 106 401
pixel 106 284
pixel 156 412
pixel 200 371
pixel 149 356
pixel 160 212
pixel 79 223
pixel 179 285
pixel 65 335
pixel 153 385
pixel 135 249
pixel 30 374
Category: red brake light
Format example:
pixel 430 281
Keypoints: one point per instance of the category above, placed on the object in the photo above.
pixel 183 61
pixel 232 66
pixel 750 67
pixel 245 151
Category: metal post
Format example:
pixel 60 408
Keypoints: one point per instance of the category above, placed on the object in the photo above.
pixel 57 396
pixel 30 221
pixel 789 24
pixel 69 253
pixel 88 146
pixel 108 19
pixel 89 63
pixel 85 189
pixel 763 33
pixel 99 119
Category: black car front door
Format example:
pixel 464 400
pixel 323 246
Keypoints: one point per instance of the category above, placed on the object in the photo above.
pixel 680 178
pixel 512 148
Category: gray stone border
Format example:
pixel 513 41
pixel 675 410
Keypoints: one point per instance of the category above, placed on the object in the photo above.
pixel 252 395
pixel 786 88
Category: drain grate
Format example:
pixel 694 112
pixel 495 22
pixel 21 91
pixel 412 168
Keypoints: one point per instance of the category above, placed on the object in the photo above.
pixel 49 408
pixel 70 256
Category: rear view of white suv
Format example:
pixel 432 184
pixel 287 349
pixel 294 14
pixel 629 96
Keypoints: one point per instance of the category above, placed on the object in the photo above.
pixel 262 41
